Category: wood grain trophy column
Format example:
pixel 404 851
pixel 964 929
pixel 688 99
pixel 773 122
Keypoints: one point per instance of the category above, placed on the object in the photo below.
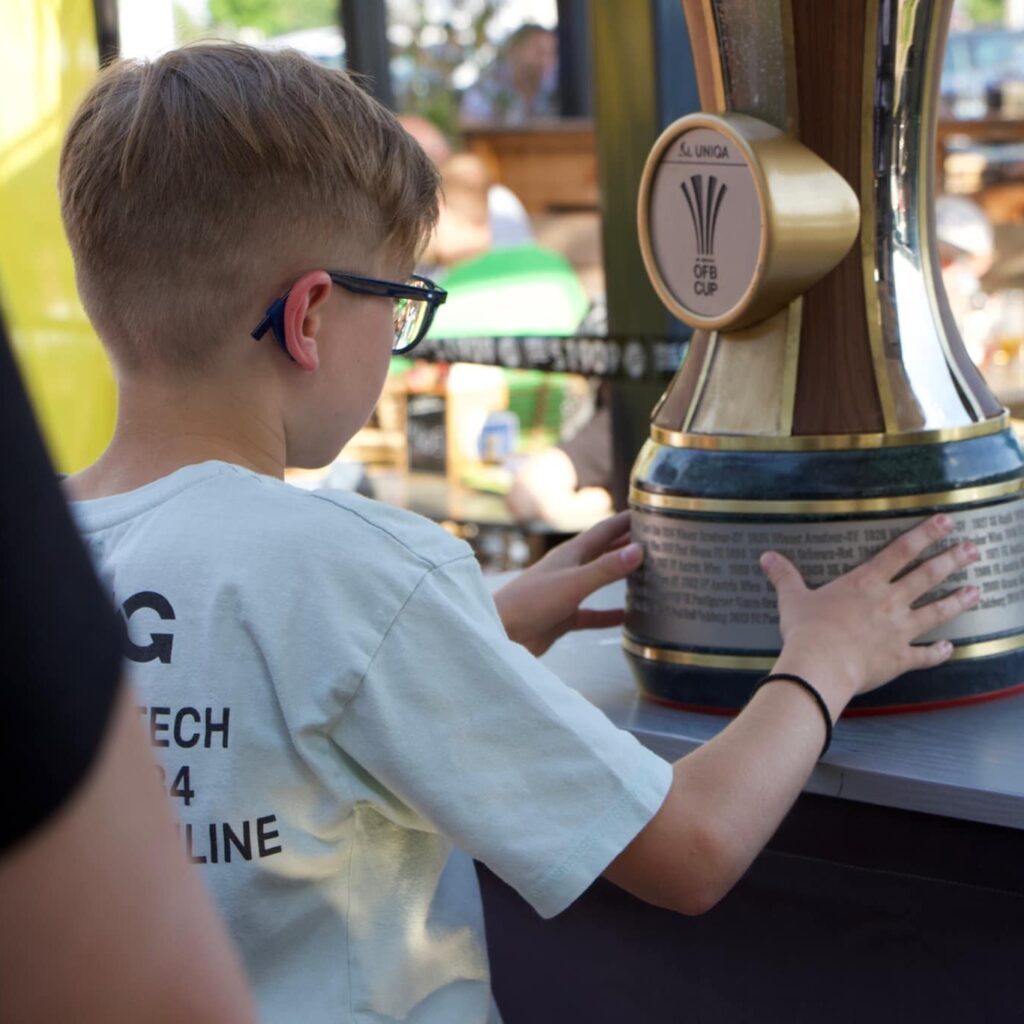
pixel 827 403
pixel 836 391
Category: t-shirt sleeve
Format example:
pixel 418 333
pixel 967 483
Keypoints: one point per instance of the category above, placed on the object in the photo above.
pixel 62 643
pixel 477 736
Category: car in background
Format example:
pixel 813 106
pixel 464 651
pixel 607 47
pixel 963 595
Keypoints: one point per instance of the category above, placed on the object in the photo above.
pixel 409 78
pixel 976 66
pixel 982 77
pixel 324 45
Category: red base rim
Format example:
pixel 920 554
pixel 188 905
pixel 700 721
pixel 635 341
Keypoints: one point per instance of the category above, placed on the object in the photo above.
pixel 891 709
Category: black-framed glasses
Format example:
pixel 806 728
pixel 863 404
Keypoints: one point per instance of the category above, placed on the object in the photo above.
pixel 416 301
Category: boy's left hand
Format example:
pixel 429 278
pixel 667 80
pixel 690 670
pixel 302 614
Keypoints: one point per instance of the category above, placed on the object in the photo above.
pixel 543 602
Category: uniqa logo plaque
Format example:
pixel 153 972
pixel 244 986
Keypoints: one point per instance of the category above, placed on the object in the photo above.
pixel 727 233
pixel 705 222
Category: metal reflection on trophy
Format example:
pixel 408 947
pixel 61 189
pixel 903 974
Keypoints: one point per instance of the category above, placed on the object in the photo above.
pixel 827 403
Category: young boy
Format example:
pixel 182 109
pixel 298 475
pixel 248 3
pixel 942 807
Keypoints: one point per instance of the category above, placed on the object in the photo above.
pixel 337 700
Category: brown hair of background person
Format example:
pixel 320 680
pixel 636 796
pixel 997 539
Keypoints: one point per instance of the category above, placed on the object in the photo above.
pixel 261 191
pixel 463 228
pixel 101 917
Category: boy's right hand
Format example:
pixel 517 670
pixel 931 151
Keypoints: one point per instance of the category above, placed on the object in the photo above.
pixel 859 628
pixel 728 796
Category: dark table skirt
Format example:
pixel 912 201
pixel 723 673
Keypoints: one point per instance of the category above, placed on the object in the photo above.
pixel 854 913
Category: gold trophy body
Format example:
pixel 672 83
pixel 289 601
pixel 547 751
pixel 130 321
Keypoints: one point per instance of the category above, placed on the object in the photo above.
pixel 827 402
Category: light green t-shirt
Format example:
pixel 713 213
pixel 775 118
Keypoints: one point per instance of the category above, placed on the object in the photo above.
pixel 342 724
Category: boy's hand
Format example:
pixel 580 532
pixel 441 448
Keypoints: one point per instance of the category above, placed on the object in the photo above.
pixel 543 603
pixel 855 633
pixel 728 796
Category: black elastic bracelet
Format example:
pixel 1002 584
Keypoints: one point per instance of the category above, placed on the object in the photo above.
pixel 819 700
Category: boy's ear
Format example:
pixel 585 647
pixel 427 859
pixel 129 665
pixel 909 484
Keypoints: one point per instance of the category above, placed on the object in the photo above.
pixel 302 317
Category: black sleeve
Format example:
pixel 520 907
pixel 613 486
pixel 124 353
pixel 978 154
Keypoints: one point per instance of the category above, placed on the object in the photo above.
pixel 60 657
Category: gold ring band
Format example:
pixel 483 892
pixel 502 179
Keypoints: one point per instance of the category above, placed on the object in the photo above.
pixel 762 663
pixel 841 506
pixel 741 662
pixel 826 442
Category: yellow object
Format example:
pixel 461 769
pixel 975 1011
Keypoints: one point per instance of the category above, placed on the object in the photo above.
pixel 48 58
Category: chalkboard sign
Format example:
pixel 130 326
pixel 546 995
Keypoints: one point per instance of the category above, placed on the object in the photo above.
pixel 426 433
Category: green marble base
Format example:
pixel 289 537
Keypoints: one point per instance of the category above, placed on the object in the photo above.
pixel 701 597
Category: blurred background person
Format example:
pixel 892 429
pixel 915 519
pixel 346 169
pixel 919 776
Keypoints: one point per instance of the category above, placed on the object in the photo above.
pixel 476 214
pixel 966 254
pixel 521 84
pixel 571 480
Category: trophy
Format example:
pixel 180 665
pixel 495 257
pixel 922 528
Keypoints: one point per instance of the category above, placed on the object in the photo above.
pixel 827 403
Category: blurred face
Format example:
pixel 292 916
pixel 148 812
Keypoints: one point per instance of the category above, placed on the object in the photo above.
pixel 535 55
pixel 429 136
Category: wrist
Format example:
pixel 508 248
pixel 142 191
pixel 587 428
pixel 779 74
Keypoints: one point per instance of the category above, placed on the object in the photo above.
pixel 812 691
pixel 825 669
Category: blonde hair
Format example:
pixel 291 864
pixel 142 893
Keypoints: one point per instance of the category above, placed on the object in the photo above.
pixel 196 187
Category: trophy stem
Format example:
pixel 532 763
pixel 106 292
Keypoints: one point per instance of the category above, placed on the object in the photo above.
pixel 856 81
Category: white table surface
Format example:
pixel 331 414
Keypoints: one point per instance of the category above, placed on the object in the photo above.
pixel 965 763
